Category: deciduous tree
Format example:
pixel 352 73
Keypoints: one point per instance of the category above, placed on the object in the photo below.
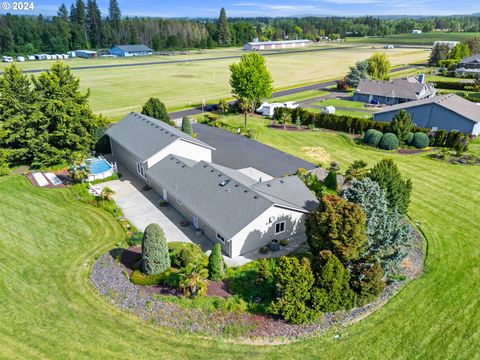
pixel 379 66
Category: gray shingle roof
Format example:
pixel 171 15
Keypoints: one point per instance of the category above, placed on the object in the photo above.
pixel 131 48
pixel 471 59
pixel 407 88
pixel 231 207
pixel 452 102
pixel 144 136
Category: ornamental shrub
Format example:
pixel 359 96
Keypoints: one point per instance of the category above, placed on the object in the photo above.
pixel 374 138
pixel 367 135
pixel 187 126
pixel 294 280
pixel 332 290
pixel 338 226
pixel 408 141
pixel 216 268
pixel 440 138
pixel 139 278
pixel 367 281
pixel 331 180
pixel 420 140
pixel 155 259
pixel 389 141
pixel 183 254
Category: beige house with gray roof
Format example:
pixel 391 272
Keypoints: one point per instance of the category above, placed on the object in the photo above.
pixel 394 91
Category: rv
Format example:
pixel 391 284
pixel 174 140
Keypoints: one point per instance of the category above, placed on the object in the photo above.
pixel 267 109
pixel 31 57
pixel 7 59
pixel 20 58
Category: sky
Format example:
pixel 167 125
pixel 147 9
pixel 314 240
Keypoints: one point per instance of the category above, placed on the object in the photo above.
pixel 273 8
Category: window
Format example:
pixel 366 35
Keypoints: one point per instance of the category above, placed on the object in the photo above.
pixel 280 227
pixel 221 238
pixel 141 170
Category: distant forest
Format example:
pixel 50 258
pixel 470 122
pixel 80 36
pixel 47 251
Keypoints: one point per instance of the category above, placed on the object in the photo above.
pixel 82 26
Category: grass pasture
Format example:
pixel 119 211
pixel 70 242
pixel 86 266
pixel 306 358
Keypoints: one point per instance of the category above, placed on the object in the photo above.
pixel 116 91
pixel 48 240
pixel 411 39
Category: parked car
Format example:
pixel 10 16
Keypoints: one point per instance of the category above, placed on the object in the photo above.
pixel 20 58
pixel 7 59
pixel 389 46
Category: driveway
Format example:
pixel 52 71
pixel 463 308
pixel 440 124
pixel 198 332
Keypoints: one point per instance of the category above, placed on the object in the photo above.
pixel 141 207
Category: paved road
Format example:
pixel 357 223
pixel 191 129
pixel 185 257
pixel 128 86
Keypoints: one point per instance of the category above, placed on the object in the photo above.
pixel 317 86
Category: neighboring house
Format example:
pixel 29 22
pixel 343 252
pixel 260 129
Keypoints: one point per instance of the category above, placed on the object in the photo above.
pixel 130 50
pixel 139 142
pixel 471 62
pixel 448 112
pixel 87 54
pixel 467 73
pixel 240 212
pixel 394 91
pixel 270 45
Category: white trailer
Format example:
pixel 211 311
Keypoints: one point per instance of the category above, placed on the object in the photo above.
pixel 31 57
pixel 20 58
pixel 7 59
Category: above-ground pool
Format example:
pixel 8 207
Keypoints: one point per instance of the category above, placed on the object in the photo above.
pixel 99 168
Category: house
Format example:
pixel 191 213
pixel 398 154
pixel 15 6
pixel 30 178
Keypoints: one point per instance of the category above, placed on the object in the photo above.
pixel 86 54
pixel 471 62
pixel 139 142
pixel 448 112
pixel 270 45
pixel 130 50
pixel 416 32
pixel 394 91
pixel 228 206
pixel 467 73
pixel 450 44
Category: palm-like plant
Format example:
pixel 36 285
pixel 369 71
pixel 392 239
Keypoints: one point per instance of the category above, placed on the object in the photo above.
pixel 223 106
pixel 285 117
pixel 107 193
pixel 192 281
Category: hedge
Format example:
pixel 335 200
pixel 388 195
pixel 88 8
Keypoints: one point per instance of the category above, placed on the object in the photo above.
pixel 367 135
pixel 389 141
pixel 454 85
pixel 420 140
pixel 408 141
pixel 343 123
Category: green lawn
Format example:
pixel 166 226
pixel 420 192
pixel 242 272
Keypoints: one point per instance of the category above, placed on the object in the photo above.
pixel 343 103
pixel 117 91
pixel 300 96
pixel 410 39
pixel 48 240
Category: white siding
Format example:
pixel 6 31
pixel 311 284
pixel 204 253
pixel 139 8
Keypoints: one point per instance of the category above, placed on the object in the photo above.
pixel 260 231
pixel 184 149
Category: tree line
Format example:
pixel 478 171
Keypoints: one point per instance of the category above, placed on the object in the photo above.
pixel 82 25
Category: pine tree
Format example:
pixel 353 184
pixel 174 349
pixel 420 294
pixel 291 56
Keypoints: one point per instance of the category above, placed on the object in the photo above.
pixel 397 190
pixel 155 258
pixel 401 125
pixel 223 29
pixel 156 109
pixel 114 18
pixel 94 23
pixel 187 126
pixel 357 73
pixel 216 268
pixel 63 12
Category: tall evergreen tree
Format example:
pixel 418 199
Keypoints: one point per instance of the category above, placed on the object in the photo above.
pixel 397 190
pixel 94 23
pixel 155 258
pixel 114 18
pixel 73 13
pixel 63 12
pixel 187 126
pixel 401 125
pixel 223 32
pixel 156 109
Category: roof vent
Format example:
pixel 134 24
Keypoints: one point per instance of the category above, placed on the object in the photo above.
pixel 245 191
pixel 224 182
pixel 236 185
pixel 211 170
pixel 255 197
pixel 204 166
pixel 281 181
pixel 269 185
pixel 219 175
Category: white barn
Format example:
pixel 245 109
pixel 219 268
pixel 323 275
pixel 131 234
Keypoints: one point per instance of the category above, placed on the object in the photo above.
pixel 271 45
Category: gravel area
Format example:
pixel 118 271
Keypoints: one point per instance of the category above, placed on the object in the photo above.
pixel 110 278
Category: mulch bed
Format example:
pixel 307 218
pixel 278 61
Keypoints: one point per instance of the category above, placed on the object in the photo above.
pixel 111 279
pixel 273 125
pixel 410 151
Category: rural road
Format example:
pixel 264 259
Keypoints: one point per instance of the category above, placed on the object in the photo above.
pixel 165 62
pixel 276 94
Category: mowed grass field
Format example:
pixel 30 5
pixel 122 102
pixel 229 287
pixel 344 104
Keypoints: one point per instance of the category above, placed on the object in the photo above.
pixel 48 242
pixel 116 91
pixel 411 39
